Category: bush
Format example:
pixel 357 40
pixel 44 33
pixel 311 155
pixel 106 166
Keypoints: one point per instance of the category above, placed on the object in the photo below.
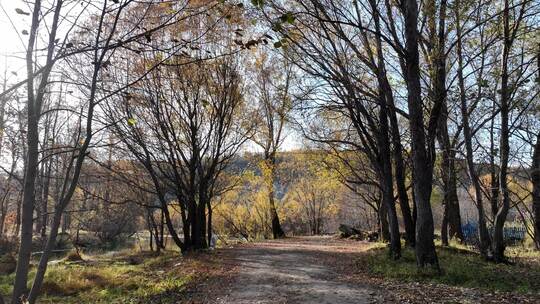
pixel 112 224
pixel 8 245
pixel 7 264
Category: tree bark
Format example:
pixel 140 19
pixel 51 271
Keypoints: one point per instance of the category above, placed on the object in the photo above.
pixel 45 200
pixel 437 44
pixel 535 178
pixel 425 247
pixel 448 173
pixel 400 174
pixel 386 181
pixel 32 141
pixel 277 231
pixel 498 226
pixel 209 223
pixel 383 220
pixel 493 168
pixel 42 266
pixel 388 111
pixel 444 226
pixel 384 157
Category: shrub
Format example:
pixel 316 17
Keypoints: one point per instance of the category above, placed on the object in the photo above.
pixel 7 264
pixel 8 245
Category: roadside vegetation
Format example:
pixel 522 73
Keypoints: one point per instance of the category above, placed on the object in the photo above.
pixel 462 268
pixel 123 277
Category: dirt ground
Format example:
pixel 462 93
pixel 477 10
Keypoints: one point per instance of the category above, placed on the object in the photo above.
pixel 291 271
pixel 304 270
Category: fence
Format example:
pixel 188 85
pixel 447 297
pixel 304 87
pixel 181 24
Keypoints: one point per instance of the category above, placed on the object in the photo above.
pixel 512 235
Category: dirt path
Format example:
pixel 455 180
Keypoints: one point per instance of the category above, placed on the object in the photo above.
pixel 292 271
pixel 321 270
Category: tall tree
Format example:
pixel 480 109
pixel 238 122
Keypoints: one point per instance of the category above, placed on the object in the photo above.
pixel 355 110
pixel 34 103
pixel 273 84
pixel 183 124
pixel 510 30
pixel 421 148
pixel 468 135
pixel 535 177
pixel 437 35
pixel 535 173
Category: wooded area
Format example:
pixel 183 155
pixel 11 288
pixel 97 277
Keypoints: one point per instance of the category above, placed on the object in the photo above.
pixel 182 125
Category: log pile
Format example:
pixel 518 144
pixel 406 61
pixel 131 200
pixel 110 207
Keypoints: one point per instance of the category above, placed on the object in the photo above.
pixel 352 233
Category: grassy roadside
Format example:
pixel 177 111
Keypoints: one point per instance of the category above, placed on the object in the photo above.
pixel 461 268
pixel 123 278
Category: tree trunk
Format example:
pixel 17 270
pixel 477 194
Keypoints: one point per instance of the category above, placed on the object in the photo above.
pixel 444 226
pixel 151 230
pixel 452 218
pixel 498 225
pixel 448 172
pixel 535 178
pixel 198 220
pixel 209 223
pixel 195 226
pixel 403 196
pixel 388 200
pixel 387 111
pixel 150 242
pixel 424 247
pixel 467 134
pixel 42 266
pixel 172 231
pixel 385 161
pixel 45 201
pixel 277 231
pixel 28 200
pixel 2 221
pixel 494 175
pixel 39 202
pixel 201 209
pixel 161 233
pixel 383 220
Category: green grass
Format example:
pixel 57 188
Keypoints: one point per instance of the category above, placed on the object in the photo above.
pixel 460 268
pixel 113 280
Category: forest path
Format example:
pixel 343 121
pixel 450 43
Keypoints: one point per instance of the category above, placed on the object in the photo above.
pixel 294 271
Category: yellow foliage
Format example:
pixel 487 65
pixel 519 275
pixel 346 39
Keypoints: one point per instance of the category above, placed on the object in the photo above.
pixel 520 189
pixel 305 198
